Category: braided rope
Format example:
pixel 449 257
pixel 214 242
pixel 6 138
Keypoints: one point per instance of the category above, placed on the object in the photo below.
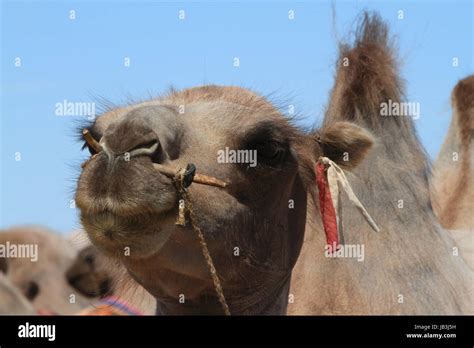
pixel 187 207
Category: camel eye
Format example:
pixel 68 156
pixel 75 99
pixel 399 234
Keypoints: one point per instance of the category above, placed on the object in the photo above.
pixel 270 143
pixel 89 259
pixel 270 152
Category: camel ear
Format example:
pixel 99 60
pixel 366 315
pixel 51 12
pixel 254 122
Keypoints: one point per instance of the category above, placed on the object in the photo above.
pixel 344 143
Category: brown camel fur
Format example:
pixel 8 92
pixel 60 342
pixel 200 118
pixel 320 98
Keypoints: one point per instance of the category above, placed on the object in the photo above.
pixel 12 301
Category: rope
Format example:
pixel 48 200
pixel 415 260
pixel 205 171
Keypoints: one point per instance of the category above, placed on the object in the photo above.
pixel 182 181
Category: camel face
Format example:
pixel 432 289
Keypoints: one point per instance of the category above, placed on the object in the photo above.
pixel 88 275
pixel 125 202
pixel 255 224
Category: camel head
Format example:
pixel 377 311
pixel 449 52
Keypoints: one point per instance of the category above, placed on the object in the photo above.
pixel 89 273
pixel 253 227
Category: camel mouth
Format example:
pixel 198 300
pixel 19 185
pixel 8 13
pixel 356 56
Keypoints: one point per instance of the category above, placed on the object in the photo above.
pixel 139 235
pixel 115 226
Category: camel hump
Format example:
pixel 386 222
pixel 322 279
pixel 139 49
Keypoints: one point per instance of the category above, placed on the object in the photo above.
pixel 463 103
pixel 367 79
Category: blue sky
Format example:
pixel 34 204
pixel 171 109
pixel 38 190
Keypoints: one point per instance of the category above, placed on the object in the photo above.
pixel 81 58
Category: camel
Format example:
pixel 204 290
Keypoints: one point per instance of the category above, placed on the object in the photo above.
pixel 452 183
pixel 128 209
pixel 96 276
pixel 40 273
pixel 265 220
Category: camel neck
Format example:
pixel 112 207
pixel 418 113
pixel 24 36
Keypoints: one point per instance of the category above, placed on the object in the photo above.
pixel 273 302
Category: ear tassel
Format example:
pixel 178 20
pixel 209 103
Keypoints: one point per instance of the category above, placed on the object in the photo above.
pixel 328 177
pixel 335 197
pixel 326 205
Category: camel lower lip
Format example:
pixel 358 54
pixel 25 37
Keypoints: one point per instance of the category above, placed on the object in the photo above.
pixel 141 234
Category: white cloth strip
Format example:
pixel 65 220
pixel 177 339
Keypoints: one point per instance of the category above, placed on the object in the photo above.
pixel 339 175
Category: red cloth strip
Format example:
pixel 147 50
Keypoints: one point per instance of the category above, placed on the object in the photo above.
pixel 327 207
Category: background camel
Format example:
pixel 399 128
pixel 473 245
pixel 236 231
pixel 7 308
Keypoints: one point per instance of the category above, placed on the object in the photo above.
pixel 43 283
pixel 453 185
pixel 409 267
pixel 46 286
pixel 94 275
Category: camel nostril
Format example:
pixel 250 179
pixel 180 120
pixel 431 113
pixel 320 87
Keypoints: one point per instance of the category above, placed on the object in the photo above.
pixel 146 149
pixel 158 156
pixel 149 145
